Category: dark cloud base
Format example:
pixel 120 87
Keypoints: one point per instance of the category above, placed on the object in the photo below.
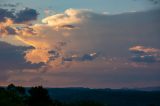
pixel 12 57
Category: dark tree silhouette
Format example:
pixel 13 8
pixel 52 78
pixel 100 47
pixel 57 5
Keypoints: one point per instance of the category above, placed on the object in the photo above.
pixel 152 105
pixel 17 96
pixel 11 87
pixel 9 97
pixel 38 96
pixel 21 90
pixel 18 89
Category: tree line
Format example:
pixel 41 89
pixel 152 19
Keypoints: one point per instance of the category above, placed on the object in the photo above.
pixel 35 96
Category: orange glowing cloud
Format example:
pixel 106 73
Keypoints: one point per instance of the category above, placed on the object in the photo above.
pixel 39 53
pixel 143 49
pixel 5 27
pixel 37 56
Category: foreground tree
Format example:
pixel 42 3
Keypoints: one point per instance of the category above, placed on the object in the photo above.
pixel 18 89
pixel 38 96
pixel 9 97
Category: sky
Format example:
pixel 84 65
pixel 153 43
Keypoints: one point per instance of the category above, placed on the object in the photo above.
pixel 82 43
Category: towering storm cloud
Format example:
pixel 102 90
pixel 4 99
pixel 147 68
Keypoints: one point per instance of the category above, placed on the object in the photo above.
pixel 63 32
pixel 101 44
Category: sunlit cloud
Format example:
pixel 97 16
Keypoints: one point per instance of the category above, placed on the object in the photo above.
pixel 37 56
pixel 69 17
pixel 145 54
pixel 6 29
pixel 142 49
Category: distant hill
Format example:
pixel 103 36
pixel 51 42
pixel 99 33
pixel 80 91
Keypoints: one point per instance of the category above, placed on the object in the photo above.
pixel 149 89
pixel 149 96
pixel 113 97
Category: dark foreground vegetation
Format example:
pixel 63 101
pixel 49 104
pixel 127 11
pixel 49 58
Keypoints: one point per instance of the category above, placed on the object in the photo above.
pixel 39 96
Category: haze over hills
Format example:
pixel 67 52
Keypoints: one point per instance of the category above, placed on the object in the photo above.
pixel 149 88
pixel 123 97
pixel 148 96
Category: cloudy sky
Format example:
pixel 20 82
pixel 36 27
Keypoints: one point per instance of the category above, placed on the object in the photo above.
pixel 82 43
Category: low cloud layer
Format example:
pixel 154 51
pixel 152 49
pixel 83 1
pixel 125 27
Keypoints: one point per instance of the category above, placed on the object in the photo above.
pixel 144 54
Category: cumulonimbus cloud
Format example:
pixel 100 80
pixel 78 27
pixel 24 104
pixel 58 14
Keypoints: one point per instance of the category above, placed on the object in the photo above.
pixel 49 36
pixel 75 34
pixel 55 45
